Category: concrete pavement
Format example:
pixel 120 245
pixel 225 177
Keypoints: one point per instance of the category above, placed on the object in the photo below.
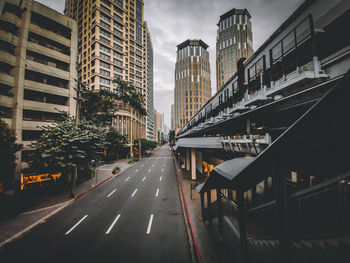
pixel 134 217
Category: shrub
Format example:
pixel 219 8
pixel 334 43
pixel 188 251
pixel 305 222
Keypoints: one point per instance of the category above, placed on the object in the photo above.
pixel 116 170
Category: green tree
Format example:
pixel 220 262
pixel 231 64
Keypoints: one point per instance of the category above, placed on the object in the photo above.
pixel 99 106
pixel 8 149
pixel 116 144
pixel 172 137
pixel 145 144
pixel 63 146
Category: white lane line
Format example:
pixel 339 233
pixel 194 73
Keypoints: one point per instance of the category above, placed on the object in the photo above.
pixel 81 220
pixel 143 179
pixel 136 170
pixel 163 164
pixel 149 225
pixel 160 178
pixel 112 225
pixel 127 179
pixel 162 170
pixel 157 192
pixel 152 165
pixel 142 165
pixel 149 170
pixel 134 193
pixel 111 193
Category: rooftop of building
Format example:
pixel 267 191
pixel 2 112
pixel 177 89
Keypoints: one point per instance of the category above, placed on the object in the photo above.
pixel 234 11
pixel 192 42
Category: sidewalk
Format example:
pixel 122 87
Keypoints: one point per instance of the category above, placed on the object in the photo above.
pixel 46 204
pixel 211 250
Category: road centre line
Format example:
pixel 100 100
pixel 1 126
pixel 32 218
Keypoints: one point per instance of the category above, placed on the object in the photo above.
pixel 143 179
pixel 136 170
pixel 81 220
pixel 142 165
pixel 149 170
pixel 126 179
pixel 134 193
pixel 157 192
pixel 160 178
pixel 112 225
pixel 162 170
pixel 111 193
pixel 149 224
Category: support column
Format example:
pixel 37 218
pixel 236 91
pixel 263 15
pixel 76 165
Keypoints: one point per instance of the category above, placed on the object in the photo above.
pixel 193 164
pixel 242 227
pixel 202 206
pixel 209 206
pixel 220 213
pixel 187 159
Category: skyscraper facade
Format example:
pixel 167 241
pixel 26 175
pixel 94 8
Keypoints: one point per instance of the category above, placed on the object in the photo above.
pixel 111 45
pixel 192 80
pixel 172 113
pixel 234 41
pixel 149 85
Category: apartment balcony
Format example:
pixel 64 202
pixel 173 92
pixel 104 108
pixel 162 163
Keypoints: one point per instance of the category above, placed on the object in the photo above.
pixel 32 85
pixel 42 106
pixel 308 72
pixel 8 58
pixel 6 101
pixel 48 52
pixel 257 97
pixel 46 69
pixel 12 18
pixel 7 79
pixel 28 124
pixel 48 34
pixel 9 37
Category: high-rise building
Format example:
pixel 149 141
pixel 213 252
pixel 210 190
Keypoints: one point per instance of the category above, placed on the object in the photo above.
pixel 234 40
pixel 172 125
pixel 158 126
pixel 149 85
pixel 111 45
pixel 192 80
pixel 37 69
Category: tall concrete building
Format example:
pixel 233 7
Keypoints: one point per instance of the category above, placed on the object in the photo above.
pixel 192 80
pixel 112 45
pixel 149 85
pixel 38 54
pixel 158 123
pixel 234 40
pixel 172 113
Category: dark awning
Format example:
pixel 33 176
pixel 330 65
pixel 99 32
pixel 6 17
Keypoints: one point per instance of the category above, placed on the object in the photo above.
pixel 199 142
pixel 224 173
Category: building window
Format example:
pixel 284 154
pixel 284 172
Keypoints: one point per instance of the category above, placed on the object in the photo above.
pixel 105 49
pixel 105 56
pixel 105 81
pixel 104 64
pixel 105 73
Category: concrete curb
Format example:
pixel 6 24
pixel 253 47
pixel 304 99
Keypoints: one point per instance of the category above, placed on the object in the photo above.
pixel 196 257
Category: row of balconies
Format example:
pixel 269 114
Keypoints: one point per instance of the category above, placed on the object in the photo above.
pixel 251 99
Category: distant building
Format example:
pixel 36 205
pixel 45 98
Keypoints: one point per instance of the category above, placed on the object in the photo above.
pixel 158 127
pixel 192 80
pixel 172 124
pixel 234 40
pixel 38 66
pixel 149 85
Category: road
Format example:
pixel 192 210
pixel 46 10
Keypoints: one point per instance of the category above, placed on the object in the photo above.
pixel 135 217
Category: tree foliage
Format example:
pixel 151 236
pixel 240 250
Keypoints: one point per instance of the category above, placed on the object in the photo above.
pixel 145 144
pixel 116 144
pixel 63 146
pixel 99 106
pixel 172 137
pixel 8 149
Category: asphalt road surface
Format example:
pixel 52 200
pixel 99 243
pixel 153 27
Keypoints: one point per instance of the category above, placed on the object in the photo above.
pixel 135 217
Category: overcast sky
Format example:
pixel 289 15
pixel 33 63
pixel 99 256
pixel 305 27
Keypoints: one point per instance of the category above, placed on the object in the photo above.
pixel 173 21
